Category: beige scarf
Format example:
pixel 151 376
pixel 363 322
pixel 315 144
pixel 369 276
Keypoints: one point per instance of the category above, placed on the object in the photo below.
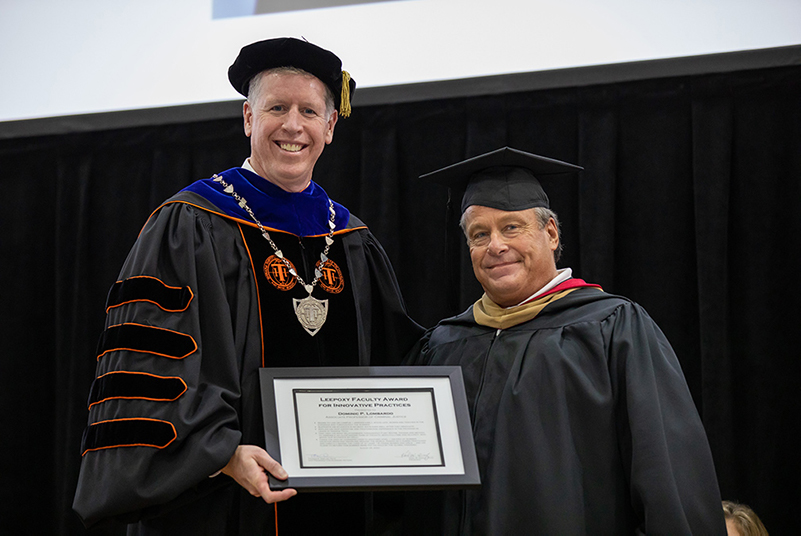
pixel 487 313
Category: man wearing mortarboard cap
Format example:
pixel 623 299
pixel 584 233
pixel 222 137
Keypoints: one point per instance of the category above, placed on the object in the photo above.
pixel 583 422
pixel 253 267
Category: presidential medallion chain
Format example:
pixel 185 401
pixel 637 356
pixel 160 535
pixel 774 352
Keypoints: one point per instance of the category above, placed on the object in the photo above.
pixel 310 311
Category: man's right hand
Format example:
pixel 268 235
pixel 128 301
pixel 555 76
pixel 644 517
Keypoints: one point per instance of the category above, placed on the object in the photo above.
pixel 248 465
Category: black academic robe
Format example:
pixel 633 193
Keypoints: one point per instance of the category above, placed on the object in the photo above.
pixel 189 324
pixel 583 424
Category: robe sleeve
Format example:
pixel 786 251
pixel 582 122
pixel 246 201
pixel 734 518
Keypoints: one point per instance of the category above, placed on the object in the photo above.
pixel 418 355
pixel 163 411
pixel 386 329
pixel 664 448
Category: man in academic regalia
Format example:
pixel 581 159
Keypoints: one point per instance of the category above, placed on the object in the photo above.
pixel 582 419
pixel 253 267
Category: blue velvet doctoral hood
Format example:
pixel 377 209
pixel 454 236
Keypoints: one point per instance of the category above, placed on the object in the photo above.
pixel 303 213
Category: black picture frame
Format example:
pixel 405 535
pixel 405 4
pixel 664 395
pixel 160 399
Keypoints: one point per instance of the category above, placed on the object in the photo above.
pixel 456 441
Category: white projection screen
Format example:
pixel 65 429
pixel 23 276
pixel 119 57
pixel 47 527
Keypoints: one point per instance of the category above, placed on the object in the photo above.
pixel 88 56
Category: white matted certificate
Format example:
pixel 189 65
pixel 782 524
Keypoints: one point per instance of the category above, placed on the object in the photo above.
pixel 359 428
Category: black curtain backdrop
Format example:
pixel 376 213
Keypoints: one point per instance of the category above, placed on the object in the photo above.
pixel 689 205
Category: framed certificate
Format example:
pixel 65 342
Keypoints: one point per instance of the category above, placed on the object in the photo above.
pixel 369 428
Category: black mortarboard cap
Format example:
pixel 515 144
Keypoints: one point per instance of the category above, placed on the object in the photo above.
pixel 290 52
pixel 505 179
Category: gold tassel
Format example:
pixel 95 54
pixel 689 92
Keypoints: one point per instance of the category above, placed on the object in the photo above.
pixel 344 105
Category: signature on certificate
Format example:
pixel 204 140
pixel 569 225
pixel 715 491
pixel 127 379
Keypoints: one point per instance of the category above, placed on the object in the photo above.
pixel 417 456
pixel 322 458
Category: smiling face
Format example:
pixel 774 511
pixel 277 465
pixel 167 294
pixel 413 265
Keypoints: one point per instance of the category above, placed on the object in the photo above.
pixel 512 256
pixel 288 127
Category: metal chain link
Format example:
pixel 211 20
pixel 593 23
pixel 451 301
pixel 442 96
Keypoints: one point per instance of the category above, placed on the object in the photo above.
pixel 229 189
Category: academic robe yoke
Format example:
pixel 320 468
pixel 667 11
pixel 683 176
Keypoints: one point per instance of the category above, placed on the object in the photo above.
pixel 177 377
pixel 583 424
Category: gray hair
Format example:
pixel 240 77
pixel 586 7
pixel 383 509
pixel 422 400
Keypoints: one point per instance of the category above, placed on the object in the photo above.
pixel 254 86
pixel 543 215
